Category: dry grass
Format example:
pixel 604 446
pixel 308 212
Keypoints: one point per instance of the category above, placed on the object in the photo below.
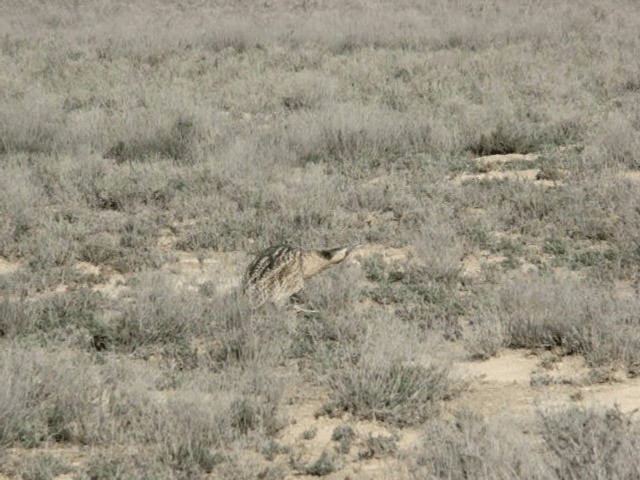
pixel 547 312
pixel 384 377
pixel 468 446
pixel 591 444
pixel 137 137
pixel 578 443
pixel 51 398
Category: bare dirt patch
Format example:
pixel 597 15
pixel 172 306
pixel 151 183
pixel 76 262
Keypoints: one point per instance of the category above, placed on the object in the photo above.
pixel 517 381
pixel 631 175
pixel 388 254
pixel 493 161
pixel 7 267
pixel 304 410
pixel 492 167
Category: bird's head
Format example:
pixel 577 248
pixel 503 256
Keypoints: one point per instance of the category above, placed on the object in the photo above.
pixel 319 260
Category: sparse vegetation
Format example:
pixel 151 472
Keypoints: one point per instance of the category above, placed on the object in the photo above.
pixel 310 433
pixel 376 379
pixel 468 446
pixel 324 465
pixel 591 444
pixel 147 147
pixel 548 312
pixel 345 435
pixel 43 467
pixel 578 443
pixel 378 447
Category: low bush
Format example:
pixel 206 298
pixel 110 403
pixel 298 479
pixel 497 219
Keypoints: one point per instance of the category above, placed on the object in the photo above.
pixel 591 444
pixel 545 312
pixel 382 377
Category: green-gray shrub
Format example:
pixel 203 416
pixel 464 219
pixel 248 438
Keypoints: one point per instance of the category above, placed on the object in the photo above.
pixel 541 311
pixel 379 378
pixel 591 443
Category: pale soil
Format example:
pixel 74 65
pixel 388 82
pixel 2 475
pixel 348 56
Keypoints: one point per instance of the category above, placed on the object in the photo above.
pixel 500 389
pixel 529 175
pixel 7 268
pixel 493 161
pixel 491 168
pixel 633 175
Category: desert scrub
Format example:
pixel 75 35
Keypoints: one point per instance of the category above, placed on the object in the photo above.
pixel 594 210
pixel 42 466
pixel 121 466
pixel 615 141
pixel 391 394
pixel 300 122
pixel 55 315
pixel 468 446
pixel 545 311
pixel 356 137
pixel 63 397
pixel 246 338
pixel 158 314
pixel 425 295
pixel 382 378
pixel 591 443
pixel 328 462
pixel 309 433
pixel 46 396
pixel 379 446
pixel 345 435
pixel 320 340
pixel 337 292
pixel 176 136
pixel 104 185
pixel 34 124
pixel 516 138
pixel 190 429
pixel 58 212
pixel 297 207
pixel 486 337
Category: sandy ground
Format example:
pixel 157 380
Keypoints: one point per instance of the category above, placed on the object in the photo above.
pixel 503 390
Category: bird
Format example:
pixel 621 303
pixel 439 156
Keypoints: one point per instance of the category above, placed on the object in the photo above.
pixel 278 272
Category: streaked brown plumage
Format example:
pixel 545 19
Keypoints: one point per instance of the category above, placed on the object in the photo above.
pixel 279 271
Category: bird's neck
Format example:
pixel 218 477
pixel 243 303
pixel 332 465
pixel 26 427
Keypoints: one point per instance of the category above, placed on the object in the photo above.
pixel 313 263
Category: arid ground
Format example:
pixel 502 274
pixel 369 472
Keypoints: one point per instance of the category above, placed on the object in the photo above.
pixel 485 153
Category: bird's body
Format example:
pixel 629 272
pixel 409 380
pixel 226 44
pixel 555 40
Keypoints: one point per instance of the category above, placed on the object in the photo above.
pixel 279 271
